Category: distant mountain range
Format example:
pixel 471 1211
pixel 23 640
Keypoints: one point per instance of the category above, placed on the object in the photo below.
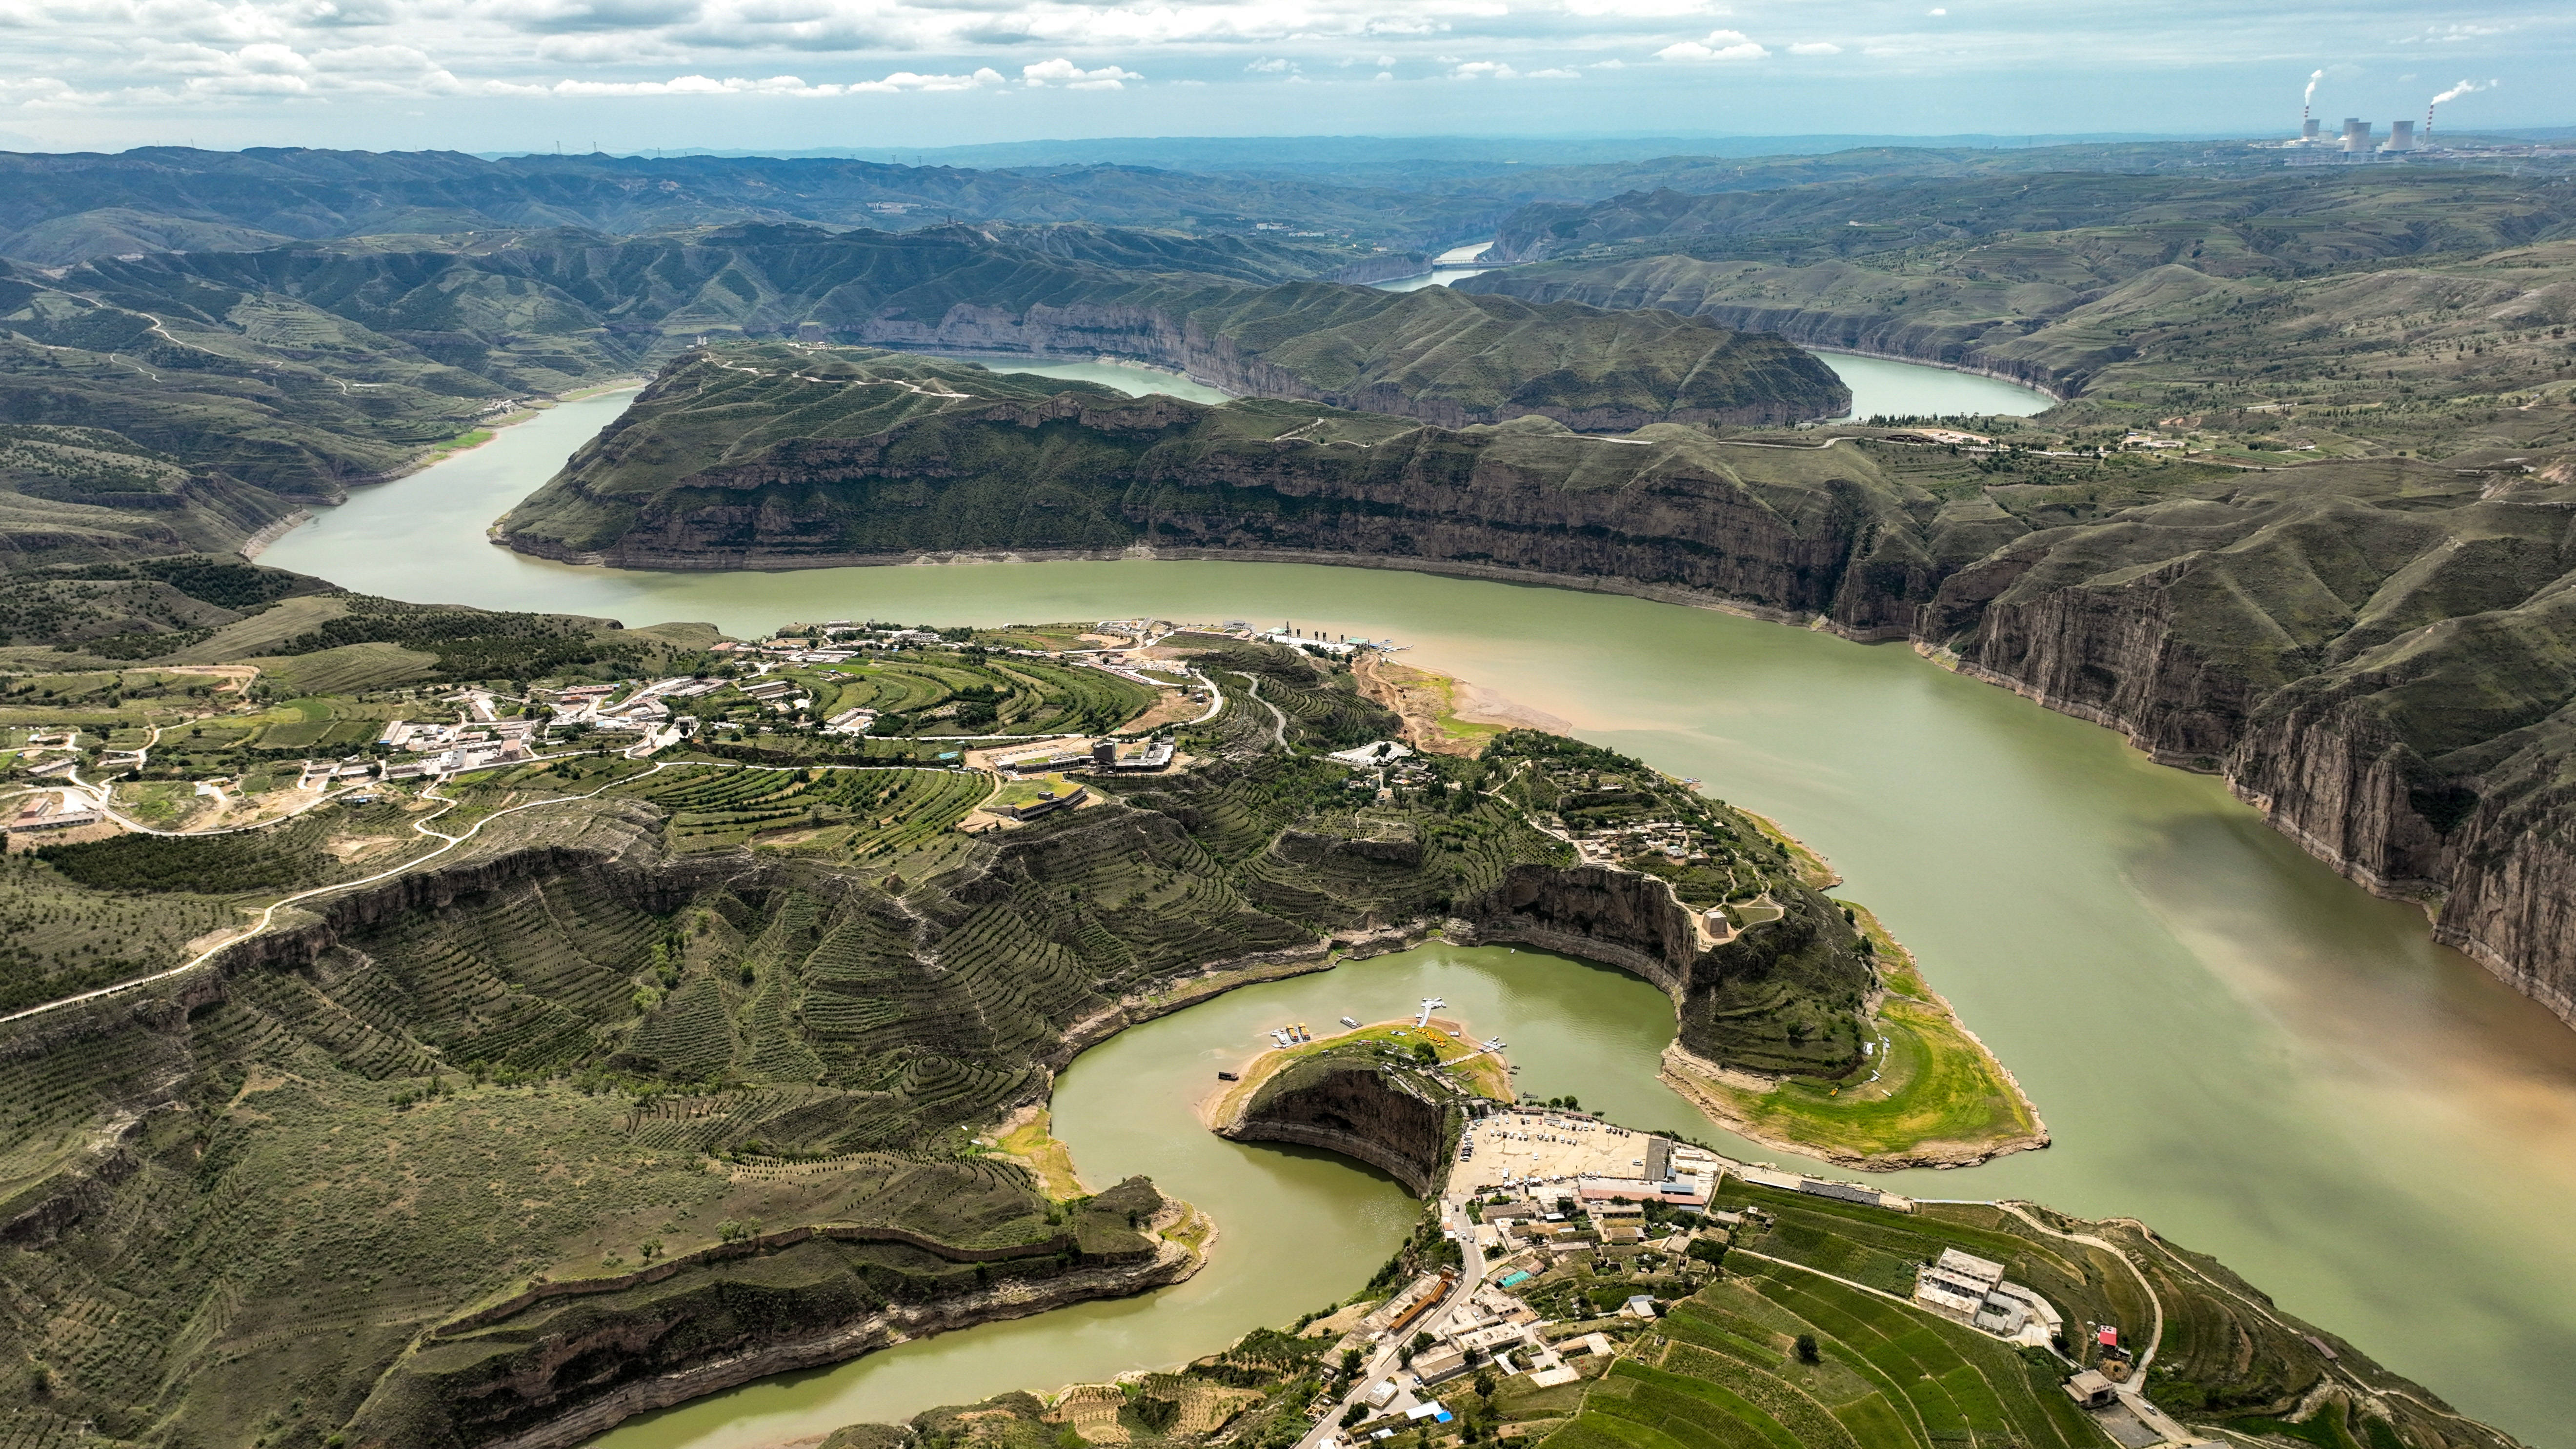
pixel 57 209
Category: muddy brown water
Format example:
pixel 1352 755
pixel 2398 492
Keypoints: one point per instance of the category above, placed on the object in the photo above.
pixel 2228 1041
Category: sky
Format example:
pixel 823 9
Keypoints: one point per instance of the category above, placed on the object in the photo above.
pixel 635 75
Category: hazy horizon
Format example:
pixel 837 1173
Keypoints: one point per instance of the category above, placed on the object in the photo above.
pixel 633 76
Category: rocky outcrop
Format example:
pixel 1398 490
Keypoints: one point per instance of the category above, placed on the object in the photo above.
pixel 1676 515
pixel 1358 1109
pixel 573 1370
pixel 1616 917
pixel 1742 1000
pixel 1400 353
pixel 2382 683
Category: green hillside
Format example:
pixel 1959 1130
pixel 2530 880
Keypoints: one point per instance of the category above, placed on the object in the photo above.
pixel 263 381
pixel 398 1163
pixel 670 488
pixel 2359 285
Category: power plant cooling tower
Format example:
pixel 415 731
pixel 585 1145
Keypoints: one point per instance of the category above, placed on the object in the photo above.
pixel 2356 136
pixel 2401 136
pixel 2308 131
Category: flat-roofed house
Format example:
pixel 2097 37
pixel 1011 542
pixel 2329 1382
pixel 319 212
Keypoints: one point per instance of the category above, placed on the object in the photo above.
pixel 1955 1284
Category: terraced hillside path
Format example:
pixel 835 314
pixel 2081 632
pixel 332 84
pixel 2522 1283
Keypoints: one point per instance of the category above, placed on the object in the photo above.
pixel 268 917
pixel 2337 1375
pixel 104 793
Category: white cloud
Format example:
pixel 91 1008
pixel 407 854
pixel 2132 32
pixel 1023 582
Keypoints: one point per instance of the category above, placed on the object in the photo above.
pixel 1641 9
pixel 1503 71
pixel 1062 72
pixel 904 80
pixel 901 81
pixel 1720 45
pixel 254 58
pixel 696 85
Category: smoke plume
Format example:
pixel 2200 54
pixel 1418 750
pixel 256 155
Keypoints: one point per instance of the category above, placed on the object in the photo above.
pixel 2311 93
pixel 2462 89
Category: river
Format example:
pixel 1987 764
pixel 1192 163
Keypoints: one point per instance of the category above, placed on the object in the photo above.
pixel 2228 1041
pixel 1449 266
pixel 1882 387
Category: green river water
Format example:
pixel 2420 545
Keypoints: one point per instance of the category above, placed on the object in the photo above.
pixel 2227 1040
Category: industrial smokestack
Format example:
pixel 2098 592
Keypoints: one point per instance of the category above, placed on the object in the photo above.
pixel 2307 126
pixel 2453 94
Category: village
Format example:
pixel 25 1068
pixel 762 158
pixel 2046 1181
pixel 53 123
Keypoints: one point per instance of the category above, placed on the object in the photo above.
pixel 789 695
pixel 1567 1239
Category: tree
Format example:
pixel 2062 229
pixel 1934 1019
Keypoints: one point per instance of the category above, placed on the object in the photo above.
pixel 1807 1350
pixel 1350 1363
pixel 1484 1383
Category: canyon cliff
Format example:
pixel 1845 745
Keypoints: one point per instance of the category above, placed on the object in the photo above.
pixel 2362 648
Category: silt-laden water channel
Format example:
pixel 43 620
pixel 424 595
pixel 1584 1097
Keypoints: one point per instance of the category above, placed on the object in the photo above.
pixel 2228 1041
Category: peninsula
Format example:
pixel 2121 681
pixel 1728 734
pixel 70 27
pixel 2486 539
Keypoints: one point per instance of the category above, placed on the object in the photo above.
pixel 721 959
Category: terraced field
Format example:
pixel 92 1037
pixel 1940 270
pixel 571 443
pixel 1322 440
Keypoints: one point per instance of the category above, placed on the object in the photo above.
pixel 1723 1368
pixel 1728 1375
pixel 930 693
pixel 852 814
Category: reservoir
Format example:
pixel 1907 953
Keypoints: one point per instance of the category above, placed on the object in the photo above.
pixel 1882 387
pixel 2227 1040
pixel 1447 267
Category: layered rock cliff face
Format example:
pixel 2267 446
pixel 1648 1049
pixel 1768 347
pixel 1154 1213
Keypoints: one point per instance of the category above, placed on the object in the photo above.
pixel 1441 357
pixel 1670 513
pixel 2364 649
pixel 1356 1108
pixel 565 1370
pixel 2372 654
pixel 1746 1001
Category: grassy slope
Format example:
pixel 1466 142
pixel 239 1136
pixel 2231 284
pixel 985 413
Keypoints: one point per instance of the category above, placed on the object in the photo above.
pixel 1102 475
pixel 2348 288
pixel 1937 1094
pixel 296 372
pixel 744 1044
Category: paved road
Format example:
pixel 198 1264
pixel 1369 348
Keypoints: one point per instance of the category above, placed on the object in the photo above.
pixel 1384 1361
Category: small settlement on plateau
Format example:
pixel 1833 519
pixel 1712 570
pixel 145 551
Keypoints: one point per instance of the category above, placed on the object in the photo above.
pixel 1571 1233
pixel 750 693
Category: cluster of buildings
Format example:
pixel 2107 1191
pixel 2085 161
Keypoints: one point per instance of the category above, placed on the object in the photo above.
pixel 48 810
pixel 1971 1290
pixel 477 739
pixel 1383 767
pixel 1670 839
pixel 1315 641
pixel 835 642
pixel 2354 142
pixel 1082 754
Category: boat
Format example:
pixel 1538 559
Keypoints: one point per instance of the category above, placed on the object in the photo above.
pixel 1352 1024
pixel 1228 1077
